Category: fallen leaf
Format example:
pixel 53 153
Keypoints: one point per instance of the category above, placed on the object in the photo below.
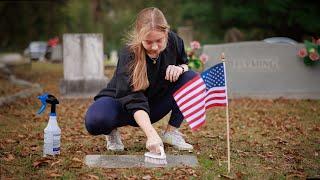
pixel 9 157
pixel 211 156
pixel 10 141
pixel 54 163
pixel 34 148
pixel 76 160
pixel 146 177
pixel 41 162
pixel 239 175
pixel 21 136
pixel 55 175
pixel 92 176
pixel 226 176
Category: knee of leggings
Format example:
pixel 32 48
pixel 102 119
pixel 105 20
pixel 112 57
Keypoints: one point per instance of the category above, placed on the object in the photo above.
pixel 188 75
pixel 97 125
pixel 91 126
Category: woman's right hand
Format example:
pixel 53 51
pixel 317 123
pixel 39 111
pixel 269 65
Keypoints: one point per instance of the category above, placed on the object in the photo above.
pixel 153 144
pixel 153 139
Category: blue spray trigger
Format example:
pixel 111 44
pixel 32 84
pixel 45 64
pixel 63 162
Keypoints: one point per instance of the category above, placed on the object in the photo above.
pixel 43 99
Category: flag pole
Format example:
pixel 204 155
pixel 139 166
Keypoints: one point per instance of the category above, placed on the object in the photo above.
pixel 227 111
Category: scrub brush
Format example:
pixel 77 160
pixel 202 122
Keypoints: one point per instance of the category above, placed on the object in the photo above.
pixel 156 158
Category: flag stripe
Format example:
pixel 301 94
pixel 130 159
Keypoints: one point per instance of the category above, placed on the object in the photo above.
pixel 191 95
pixel 215 104
pixel 193 87
pixel 198 104
pixel 192 100
pixel 197 114
pixel 202 118
pixel 216 98
pixel 198 125
pixel 185 86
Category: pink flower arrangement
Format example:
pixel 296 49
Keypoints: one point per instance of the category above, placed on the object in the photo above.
pixel 196 62
pixel 204 58
pixel 310 53
pixel 302 52
pixel 314 56
pixel 195 45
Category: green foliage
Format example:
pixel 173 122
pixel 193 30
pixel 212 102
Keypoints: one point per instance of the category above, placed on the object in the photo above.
pixel 25 21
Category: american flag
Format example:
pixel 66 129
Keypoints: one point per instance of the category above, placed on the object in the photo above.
pixel 201 93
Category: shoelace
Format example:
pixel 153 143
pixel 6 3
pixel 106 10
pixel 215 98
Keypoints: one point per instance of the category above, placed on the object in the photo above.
pixel 178 135
pixel 178 132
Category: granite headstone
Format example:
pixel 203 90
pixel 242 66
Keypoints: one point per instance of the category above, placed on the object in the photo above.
pixel 262 70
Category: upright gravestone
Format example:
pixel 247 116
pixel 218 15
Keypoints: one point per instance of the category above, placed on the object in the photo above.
pixel 56 54
pixel 83 65
pixel 262 70
pixel 114 57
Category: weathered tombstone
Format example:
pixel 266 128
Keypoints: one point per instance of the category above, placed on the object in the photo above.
pixel 113 58
pixel 262 70
pixel 83 65
pixel 56 55
pixel 186 33
pixel 13 59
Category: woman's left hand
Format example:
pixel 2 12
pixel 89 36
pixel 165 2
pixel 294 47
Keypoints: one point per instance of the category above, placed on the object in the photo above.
pixel 173 72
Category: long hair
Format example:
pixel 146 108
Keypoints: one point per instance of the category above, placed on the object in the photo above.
pixel 147 20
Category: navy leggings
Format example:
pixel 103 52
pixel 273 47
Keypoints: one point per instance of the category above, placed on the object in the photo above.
pixel 106 113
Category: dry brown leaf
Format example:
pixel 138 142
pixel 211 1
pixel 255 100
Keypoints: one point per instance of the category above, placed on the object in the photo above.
pixel 41 162
pixel 146 177
pixel 54 163
pixel 10 141
pixel 226 176
pixel 55 175
pixel 34 148
pixel 9 157
pixel 21 136
pixel 76 160
pixel 92 176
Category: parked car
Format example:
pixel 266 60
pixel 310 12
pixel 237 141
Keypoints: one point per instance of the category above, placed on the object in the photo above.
pixel 37 50
pixel 280 40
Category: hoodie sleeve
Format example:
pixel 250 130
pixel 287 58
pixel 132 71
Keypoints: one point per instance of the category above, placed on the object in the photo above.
pixel 130 100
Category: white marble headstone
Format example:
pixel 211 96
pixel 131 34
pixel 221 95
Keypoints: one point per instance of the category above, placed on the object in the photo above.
pixel 114 57
pixel 83 64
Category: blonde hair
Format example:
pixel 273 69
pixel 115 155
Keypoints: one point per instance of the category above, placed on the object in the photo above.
pixel 147 20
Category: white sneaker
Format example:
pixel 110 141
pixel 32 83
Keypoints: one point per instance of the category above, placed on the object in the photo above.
pixel 175 138
pixel 114 142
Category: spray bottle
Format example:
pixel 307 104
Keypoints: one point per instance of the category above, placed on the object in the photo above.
pixel 52 133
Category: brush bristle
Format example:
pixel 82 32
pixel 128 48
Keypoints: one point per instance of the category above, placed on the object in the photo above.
pixel 155 160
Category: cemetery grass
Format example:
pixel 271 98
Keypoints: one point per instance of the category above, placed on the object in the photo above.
pixel 270 139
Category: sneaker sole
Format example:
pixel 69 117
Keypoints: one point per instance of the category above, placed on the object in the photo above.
pixel 116 149
pixel 179 148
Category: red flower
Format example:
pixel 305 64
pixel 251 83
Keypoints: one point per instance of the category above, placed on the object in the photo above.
pixel 318 42
pixel 314 56
pixel 302 52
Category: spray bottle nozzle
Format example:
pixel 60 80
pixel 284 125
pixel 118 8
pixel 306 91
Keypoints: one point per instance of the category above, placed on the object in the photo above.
pixel 48 98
